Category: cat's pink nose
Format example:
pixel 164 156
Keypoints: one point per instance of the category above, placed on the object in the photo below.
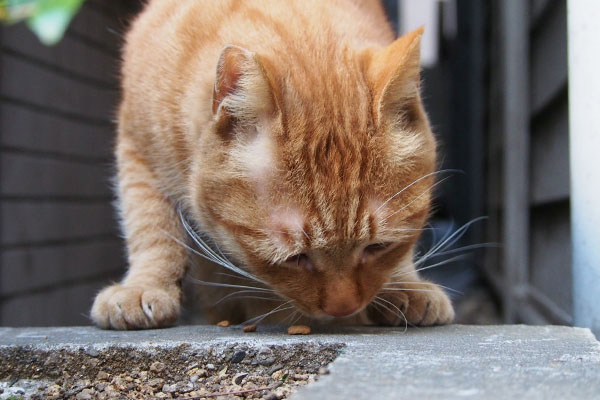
pixel 341 308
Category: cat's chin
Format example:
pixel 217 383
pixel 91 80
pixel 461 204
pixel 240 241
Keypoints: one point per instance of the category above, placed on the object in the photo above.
pixel 324 317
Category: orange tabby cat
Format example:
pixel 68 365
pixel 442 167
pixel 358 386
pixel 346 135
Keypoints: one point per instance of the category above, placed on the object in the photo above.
pixel 291 134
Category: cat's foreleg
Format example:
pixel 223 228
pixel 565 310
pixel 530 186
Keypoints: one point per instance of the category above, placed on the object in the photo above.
pixel 408 299
pixel 150 294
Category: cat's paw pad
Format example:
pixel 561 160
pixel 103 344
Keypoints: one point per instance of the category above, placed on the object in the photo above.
pixel 135 307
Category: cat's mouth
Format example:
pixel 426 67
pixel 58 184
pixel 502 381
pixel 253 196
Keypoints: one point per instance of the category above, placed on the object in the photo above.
pixel 323 316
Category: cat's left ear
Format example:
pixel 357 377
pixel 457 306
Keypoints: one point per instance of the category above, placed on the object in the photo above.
pixel 395 74
pixel 243 88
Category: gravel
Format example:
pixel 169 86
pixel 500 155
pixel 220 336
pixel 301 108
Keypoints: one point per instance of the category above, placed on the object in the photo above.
pixel 227 371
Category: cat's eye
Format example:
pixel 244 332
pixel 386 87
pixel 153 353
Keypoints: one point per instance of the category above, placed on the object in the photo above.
pixel 300 260
pixel 376 248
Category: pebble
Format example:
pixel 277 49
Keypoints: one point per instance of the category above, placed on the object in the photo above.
pixel 249 328
pixel 193 366
pixel 210 367
pixel 275 368
pixel 185 388
pixel 277 375
pixel 238 356
pixel 267 362
pixel 102 376
pixel 271 396
pixel 238 378
pixel 169 388
pixel 155 382
pixel 55 389
pixel 13 391
pixel 92 352
pixel 223 324
pixel 157 366
pixel 85 394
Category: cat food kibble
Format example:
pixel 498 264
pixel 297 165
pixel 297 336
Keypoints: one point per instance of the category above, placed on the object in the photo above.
pixel 249 328
pixel 299 330
pixel 223 323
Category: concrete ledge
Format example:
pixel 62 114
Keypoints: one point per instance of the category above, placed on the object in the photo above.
pixel 449 362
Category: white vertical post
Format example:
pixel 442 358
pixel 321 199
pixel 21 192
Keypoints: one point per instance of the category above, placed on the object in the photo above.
pixel 584 120
pixel 414 14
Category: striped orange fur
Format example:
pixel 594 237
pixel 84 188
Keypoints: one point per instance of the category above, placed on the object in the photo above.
pixel 292 135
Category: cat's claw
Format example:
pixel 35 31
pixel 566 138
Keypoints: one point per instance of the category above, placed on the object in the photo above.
pixel 135 307
pixel 428 305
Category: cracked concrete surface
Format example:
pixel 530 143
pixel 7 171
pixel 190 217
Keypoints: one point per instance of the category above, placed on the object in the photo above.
pixel 451 362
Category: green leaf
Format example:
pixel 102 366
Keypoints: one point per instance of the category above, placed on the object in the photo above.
pixel 48 19
pixel 52 19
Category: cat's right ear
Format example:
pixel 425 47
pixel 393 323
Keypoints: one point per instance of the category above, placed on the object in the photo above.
pixel 243 88
pixel 394 73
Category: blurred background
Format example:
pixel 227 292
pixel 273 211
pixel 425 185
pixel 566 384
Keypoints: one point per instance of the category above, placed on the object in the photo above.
pixel 496 88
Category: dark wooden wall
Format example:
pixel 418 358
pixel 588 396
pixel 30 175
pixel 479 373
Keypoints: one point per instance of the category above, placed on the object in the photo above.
pixel 58 235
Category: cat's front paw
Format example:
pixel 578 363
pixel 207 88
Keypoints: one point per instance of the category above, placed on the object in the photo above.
pixel 418 304
pixel 135 307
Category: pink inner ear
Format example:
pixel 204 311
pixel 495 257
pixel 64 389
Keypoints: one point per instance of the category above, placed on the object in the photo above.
pixel 229 72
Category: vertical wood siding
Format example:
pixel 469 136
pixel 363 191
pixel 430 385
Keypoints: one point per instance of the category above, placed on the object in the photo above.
pixel 59 242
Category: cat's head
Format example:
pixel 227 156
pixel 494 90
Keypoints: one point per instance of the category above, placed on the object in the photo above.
pixel 317 173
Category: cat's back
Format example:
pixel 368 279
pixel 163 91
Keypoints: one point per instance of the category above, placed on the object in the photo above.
pixel 210 20
pixel 169 33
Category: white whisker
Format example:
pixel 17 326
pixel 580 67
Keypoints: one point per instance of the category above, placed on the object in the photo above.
pixel 249 298
pixel 420 283
pixel 413 183
pixel 277 309
pixel 235 276
pixel 292 317
pixel 229 285
pixel 439 264
pixel 449 239
pixel 239 292
pixel 409 229
pixel 305 234
pixel 378 300
pixel 297 318
pixel 415 199
pixel 406 290
pixel 465 248
pixel 209 253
